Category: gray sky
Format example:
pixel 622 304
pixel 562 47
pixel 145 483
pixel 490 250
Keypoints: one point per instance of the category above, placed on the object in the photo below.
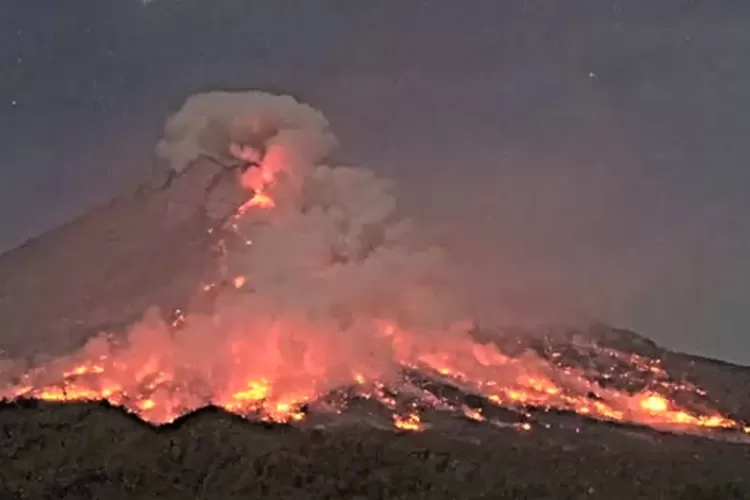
pixel 578 156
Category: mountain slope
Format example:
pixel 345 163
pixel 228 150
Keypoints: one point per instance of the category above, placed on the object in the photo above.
pixel 68 284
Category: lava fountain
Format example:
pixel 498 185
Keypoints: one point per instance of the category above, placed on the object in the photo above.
pixel 322 286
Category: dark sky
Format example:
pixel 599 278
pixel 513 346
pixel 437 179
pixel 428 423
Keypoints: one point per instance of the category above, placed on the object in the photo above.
pixel 578 156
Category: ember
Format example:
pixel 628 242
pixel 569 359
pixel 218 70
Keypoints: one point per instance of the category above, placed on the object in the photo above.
pixel 410 422
pixel 655 404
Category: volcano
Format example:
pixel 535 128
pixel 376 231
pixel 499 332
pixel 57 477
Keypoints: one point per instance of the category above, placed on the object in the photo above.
pixel 252 287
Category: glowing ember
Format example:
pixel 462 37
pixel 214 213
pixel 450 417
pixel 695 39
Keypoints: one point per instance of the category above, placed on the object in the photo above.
pixel 261 200
pixel 473 414
pixel 655 404
pixel 146 405
pixel 410 422
pixel 256 391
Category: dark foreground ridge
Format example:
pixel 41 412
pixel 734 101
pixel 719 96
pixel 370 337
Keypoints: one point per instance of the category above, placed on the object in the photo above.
pixel 92 450
pixel 59 290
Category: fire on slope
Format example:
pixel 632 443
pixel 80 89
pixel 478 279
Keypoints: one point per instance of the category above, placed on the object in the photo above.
pixel 161 397
pixel 141 382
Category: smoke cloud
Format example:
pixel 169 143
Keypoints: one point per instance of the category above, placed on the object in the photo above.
pixel 243 126
pixel 320 282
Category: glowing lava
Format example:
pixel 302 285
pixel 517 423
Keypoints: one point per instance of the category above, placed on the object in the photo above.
pixel 159 396
pixel 410 422
pixel 655 404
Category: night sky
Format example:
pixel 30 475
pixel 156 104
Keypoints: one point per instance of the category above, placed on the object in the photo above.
pixel 581 156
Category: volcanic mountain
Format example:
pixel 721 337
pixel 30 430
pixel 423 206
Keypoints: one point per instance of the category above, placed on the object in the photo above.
pixel 253 279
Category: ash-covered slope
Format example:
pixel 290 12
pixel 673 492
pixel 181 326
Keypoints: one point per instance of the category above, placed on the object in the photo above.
pixel 101 271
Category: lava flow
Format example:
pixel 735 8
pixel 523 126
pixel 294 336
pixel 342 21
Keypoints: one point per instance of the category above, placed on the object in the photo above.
pixel 323 290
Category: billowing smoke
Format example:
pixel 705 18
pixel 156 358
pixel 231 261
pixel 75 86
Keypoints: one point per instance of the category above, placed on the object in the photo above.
pixel 233 127
pixel 322 280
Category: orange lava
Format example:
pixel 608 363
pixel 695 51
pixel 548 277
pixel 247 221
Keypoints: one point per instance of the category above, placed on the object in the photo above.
pixel 101 380
pixel 655 404
pixel 410 422
pixel 147 393
pixel 261 200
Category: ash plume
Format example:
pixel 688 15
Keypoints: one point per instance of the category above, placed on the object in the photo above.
pixel 326 275
pixel 235 127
